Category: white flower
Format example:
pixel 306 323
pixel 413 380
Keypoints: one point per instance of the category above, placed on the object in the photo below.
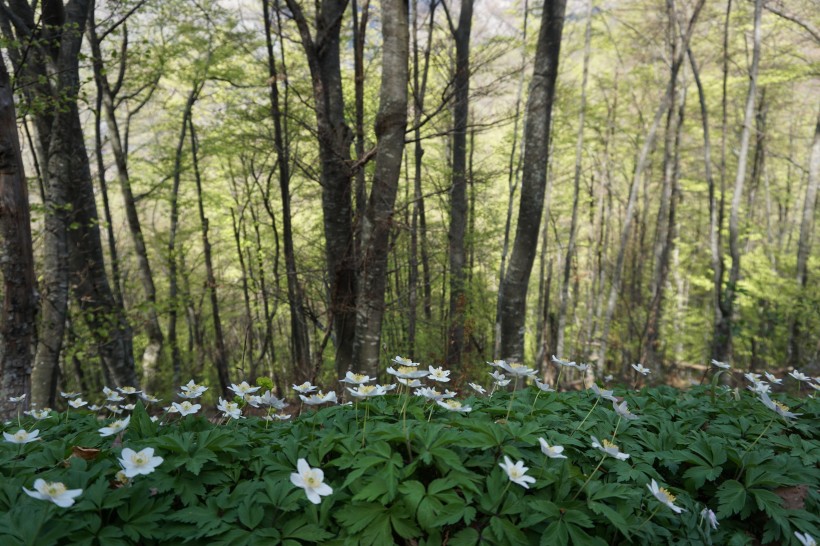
pixel 186 408
pixel 135 463
pixel 94 407
pixel 772 378
pixel 609 448
pixel 582 367
pixel 517 472
pixel 21 436
pixel 192 390
pixel 304 388
pixel 319 398
pixel 623 411
pixel 276 417
pixel 477 388
pixel 439 374
pixel 799 376
pixel 752 377
pixel 55 492
pixel 17 399
pixel 564 363
pixel 516 369
pixel 149 399
pixel 311 480
pixel 500 379
pixel 114 397
pixel 128 407
pixel 107 391
pixel 496 363
pixel 411 383
pixel 604 394
pixel 709 516
pixel 129 390
pixel 401 361
pixel 253 400
pixel 70 395
pixel 77 403
pixel 608 378
pixel 428 393
pixel 408 372
pixel 779 408
pixel 367 391
pixel 113 409
pixel 387 388
pixel 805 539
pixel 664 496
pixel 229 409
pixel 454 405
pixel 553 452
pixel 243 388
pixel 115 427
pixel 270 400
pixel 545 387
pixel 641 370
pixel 721 365
pixel 356 378
pixel 44 413
pixel 760 387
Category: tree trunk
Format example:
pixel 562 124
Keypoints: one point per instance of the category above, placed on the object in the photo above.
pixel 576 190
pixel 334 138
pixel 458 191
pixel 18 318
pixel 722 344
pixel 153 350
pixel 536 139
pixel 391 122
pixel 298 322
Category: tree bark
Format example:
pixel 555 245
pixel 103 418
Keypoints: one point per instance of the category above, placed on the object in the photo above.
pixel 536 139
pixel 391 122
pixel 18 318
pixel 458 191
pixel 335 137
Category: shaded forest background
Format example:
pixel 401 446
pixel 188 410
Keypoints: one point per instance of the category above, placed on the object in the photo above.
pixel 194 214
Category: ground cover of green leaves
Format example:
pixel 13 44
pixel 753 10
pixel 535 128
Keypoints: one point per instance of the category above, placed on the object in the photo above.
pixel 424 482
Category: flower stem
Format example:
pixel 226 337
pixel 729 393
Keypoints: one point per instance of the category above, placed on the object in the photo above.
pixel 589 478
pixel 585 418
pixel 534 401
pixel 512 397
pixel 364 427
pixel 759 436
pixel 652 515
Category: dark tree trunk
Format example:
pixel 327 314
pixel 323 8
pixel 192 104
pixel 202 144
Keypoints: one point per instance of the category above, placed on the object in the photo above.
pixel 18 318
pixel 391 122
pixel 536 139
pixel 334 138
pixel 458 191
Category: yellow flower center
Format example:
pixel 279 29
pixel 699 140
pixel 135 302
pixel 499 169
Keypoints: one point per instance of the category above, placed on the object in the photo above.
pixel 54 489
pixel 663 492
pixel 514 473
pixel 139 459
pixel 609 445
pixel 20 435
pixel 366 389
pixel 357 377
pixel 453 404
pixel 406 369
pixel 311 480
pixel 782 406
pixel 304 385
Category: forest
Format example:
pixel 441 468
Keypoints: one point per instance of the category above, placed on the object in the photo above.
pixel 235 189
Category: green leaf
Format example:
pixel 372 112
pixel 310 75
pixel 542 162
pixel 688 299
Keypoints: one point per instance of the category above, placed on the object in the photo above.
pixel 731 497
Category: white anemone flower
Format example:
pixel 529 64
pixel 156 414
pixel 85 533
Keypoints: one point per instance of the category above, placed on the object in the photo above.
pixel 477 388
pixel 708 515
pixel 500 379
pixel 70 395
pixel 304 388
pixel 408 372
pixel 142 462
pixel 367 391
pixel 229 408
pixel 277 417
pixel 664 496
pixel 128 407
pixel 805 539
pixel 21 436
pixel 44 413
pixel 439 374
pixel 149 399
pixel 319 398
pixel 115 427
pixel 77 403
pixel 496 363
pixel 608 378
pixel 760 387
pixel 356 378
pixel 454 405
pixel 55 492
pixel 609 448
pixel 312 480
pixel 113 409
pixel 243 388
pixel 544 387
pixel 517 473
pixel 107 391
pixel 800 376
pixel 401 361
pixel 410 383
pixel 553 452
pixel 752 377
pixel 186 408
pixel 272 401
pixel 721 365
pixel 565 363
pixel 129 390
pixel 641 370
pixel 517 369
pixel 114 397
pixel 192 390
pixel 623 411
pixel 17 399
pixel 603 394
pixel 772 378
pixel 778 407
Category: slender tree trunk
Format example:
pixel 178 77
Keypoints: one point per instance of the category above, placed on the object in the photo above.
pixel 640 165
pixel 536 139
pixel 576 190
pixel 796 356
pixel 18 317
pixel 335 137
pixel 458 191
pixel 723 330
pixel 221 357
pixel 153 350
pixel 391 122
pixel 298 322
